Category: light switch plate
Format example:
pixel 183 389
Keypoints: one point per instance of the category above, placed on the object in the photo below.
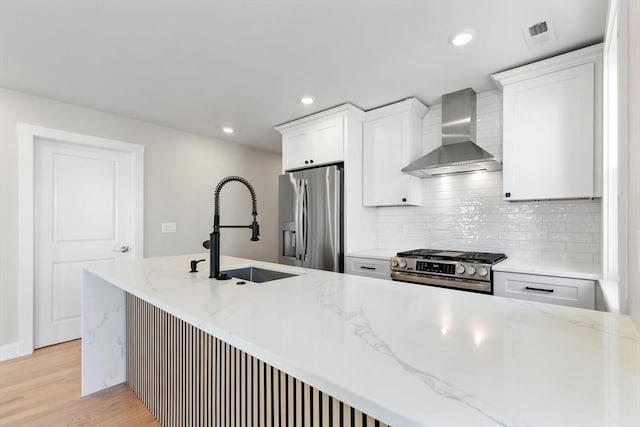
pixel 168 227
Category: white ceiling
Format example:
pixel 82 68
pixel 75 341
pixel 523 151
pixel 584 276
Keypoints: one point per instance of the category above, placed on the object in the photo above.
pixel 197 65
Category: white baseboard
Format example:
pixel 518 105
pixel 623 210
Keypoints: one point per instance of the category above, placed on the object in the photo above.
pixel 9 351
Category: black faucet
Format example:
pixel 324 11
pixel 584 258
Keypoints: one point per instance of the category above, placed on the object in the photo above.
pixel 213 244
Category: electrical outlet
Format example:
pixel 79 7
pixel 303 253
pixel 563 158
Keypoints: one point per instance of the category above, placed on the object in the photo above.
pixel 541 232
pixel 168 227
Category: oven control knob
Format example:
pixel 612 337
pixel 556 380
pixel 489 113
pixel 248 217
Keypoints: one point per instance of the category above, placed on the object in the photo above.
pixel 471 270
pixel 394 263
pixel 460 269
pixel 483 271
pixel 403 264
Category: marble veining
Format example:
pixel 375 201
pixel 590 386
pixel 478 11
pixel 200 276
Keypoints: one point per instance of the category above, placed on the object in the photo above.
pixel 103 335
pixel 406 354
pixel 363 330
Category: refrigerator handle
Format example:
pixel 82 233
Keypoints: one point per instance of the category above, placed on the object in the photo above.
pixel 305 217
pixel 299 228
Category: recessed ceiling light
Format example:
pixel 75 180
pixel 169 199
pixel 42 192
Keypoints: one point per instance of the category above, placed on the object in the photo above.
pixel 227 129
pixel 307 99
pixel 461 39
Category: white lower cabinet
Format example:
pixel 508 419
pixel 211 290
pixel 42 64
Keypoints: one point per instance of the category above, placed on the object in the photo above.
pixel 549 289
pixel 370 267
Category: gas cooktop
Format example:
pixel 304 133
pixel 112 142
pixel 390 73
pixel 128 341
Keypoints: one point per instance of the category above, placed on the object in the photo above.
pixel 439 254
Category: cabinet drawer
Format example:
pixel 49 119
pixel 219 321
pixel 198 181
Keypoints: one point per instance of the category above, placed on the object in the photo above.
pixel 370 267
pixel 549 289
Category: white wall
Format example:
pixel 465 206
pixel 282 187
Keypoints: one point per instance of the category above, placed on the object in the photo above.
pixel 467 211
pixel 630 30
pixel 181 172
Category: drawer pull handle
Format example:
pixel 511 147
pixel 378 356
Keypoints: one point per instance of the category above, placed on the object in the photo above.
pixel 367 268
pixel 538 289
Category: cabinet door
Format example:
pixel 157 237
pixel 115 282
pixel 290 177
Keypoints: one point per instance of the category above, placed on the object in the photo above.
pixel 549 137
pixel 387 149
pixel 295 149
pixel 327 141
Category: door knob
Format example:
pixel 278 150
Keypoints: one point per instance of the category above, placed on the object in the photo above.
pixel 123 249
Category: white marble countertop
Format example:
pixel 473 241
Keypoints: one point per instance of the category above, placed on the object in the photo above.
pixel 573 270
pixel 411 355
pixel 379 253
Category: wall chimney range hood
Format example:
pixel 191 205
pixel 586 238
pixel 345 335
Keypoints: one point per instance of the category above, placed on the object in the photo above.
pixel 458 153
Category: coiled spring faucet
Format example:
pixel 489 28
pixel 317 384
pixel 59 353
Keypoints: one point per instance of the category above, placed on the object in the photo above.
pixel 213 244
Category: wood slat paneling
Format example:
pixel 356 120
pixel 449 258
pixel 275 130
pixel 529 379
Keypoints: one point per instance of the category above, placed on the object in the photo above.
pixel 186 377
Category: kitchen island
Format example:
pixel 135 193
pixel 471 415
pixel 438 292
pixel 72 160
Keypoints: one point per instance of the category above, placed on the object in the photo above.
pixel 406 355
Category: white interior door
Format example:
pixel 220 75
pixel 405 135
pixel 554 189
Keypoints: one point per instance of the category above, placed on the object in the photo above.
pixel 83 213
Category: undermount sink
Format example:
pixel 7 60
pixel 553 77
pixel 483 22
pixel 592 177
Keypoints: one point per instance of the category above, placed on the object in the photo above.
pixel 257 275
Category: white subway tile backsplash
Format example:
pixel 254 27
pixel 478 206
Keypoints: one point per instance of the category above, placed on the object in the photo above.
pixel 591 248
pixel 543 245
pixel 583 257
pixel 555 256
pixel 556 227
pixel 553 208
pixel 522 217
pixel 520 253
pixel 501 226
pixel 572 237
pixel 583 207
pixel 468 212
pixel 569 217
pixel 593 227
pixel 501 245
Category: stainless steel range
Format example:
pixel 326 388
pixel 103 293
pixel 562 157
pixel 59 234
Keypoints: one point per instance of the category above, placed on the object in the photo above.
pixel 469 271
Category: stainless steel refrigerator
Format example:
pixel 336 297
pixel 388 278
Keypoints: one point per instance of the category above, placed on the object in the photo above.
pixel 311 218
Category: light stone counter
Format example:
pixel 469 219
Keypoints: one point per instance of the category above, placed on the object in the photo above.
pixel 407 355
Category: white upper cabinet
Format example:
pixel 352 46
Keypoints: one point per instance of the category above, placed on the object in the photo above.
pixel 296 150
pixel 552 126
pixel 327 139
pixel 392 140
pixel 312 141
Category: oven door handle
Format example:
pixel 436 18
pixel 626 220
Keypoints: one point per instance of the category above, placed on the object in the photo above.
pixel 470 285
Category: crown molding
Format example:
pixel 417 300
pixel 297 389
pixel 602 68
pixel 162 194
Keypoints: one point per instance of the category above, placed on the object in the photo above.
pixel 347 109
pixel 556 63
pixel 409 105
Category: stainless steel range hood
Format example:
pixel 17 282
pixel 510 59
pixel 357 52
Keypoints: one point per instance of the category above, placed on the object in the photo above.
pixel 458 153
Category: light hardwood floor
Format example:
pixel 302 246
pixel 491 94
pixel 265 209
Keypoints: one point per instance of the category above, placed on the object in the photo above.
pixel 44 390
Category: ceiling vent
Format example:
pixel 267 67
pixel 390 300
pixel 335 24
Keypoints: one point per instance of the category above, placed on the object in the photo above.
pixel 539 34
pixel 539 28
